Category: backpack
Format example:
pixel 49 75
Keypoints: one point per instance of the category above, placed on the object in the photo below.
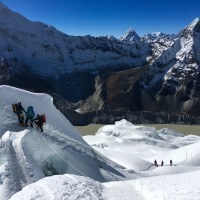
pixel 14 107
pixel 21 115
pixel 43 117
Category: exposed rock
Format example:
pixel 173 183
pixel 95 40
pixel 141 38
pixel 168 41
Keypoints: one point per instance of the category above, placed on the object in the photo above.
pixel 102 73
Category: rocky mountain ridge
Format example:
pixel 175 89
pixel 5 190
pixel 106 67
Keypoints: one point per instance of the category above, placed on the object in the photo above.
pixel 168 83
pixel 157 72
pixel 51 52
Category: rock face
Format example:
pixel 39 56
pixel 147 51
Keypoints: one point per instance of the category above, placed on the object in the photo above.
pixel 130 37
pixel 49 51
pixel 173 79
pixel 157 72
pixel 170 82
pixel 42 51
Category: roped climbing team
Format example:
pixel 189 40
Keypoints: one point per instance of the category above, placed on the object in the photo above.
pixel 30 114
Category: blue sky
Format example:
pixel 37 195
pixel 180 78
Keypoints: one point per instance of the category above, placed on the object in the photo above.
pixel 114 17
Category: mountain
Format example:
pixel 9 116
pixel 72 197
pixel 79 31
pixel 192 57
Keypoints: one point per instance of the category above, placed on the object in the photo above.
pixel 168 83
pixel 173 78
pixel 36 52
pixel 159 42
pixel 157 72
pixel 130 37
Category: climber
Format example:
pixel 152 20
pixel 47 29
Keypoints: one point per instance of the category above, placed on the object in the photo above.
pixel 39 121
pixel 30 114
pixel 170 162
pixel 18 108
pixel 155 163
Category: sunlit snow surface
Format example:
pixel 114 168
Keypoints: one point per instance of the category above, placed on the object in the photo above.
pixel 27 156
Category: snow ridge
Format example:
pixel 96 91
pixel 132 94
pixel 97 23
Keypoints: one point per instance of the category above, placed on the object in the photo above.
pixel 27 156
pixel 130 36
pixel 50 52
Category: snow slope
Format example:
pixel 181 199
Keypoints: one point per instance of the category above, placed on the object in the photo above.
pixel 177 182
pixel 176 187
pixel 42 103
pixel 26 155
pixel 50 52
pixel 77 171
pixel 67 187
pixel 136 146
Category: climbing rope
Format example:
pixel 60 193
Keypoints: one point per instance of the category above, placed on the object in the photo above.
pixel 61 156
pixel 147 168
pixel 75 141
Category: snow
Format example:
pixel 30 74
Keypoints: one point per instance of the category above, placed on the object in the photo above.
pixel 126 143
pixel 136 147
pixel 50 52
pixel 193 24
pixel 176 57
pixel 27 156
pixel 178 187
pixel 12 95
pixel 67 187
pixel 130 36
pixel 116 163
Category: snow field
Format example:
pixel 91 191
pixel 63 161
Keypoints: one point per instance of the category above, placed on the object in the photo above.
pixel 119 167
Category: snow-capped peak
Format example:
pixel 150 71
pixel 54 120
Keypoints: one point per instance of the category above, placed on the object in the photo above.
pixel 157 34
pixel 38 45
pixel 130 36
pixel 111 37
pixel 153 36
pixel 193 27
pixel 194 23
